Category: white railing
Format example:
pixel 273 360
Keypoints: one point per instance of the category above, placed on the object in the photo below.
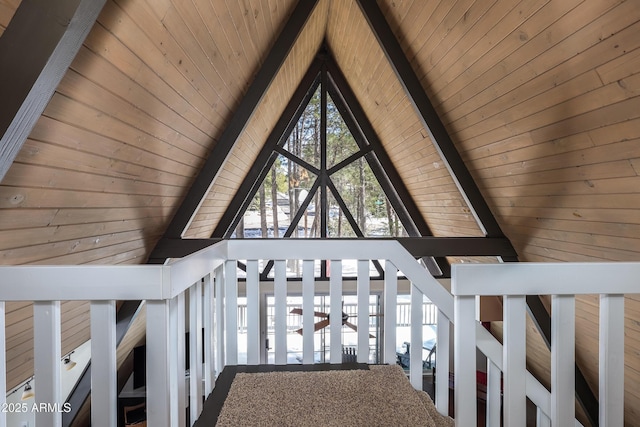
pixel 562 281
pixel 207 281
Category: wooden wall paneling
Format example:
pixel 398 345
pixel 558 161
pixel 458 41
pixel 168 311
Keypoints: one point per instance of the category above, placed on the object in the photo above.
pixel 533 52
pixel 7 9
pixel 465 61
pixel 505 39
pixel 251 140
pixel 403 135
pixel 72 112
pixel 96 97
pixel 144 105
pixel 128 47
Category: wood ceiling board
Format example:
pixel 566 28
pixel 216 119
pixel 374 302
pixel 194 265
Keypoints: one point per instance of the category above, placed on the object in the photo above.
pixel 394 117
pixel 250 141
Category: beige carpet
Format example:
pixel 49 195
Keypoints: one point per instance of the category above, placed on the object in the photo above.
pixel 381 396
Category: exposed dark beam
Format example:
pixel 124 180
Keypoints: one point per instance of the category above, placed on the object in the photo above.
pixel 289 155
pixel 240 118
pixel 431 121
pixel 178 248
pixel 457 246
pixel 265 159
pixel 381 165
pixel 36 50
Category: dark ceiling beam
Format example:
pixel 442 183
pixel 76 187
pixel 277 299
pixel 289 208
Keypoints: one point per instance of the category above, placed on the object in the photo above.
pixel 178 248
pixel 36 50
pixel 381 165
pixel 457 246
pixel 266 157
pixel 240 118
pixel 459 172
pixel 431 121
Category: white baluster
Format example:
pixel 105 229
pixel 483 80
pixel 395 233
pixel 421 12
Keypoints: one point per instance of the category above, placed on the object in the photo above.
pixel 541 419
pixel 46 335
pixel 611 368
pixel 390 304
pixel 219 342
pixel 253 313
pixel 363 289
pixel 231 311
pixel 158 359
pixel 280 314
pixel 415 351
pixel 465 360
pixel 195 351
pixel 442 363
pixel 209 349
pixel 494 403
pixel 335 312
pixel 563 340
pixel 308 296
pixel 514 360
pixel 177 364
pixel 104 374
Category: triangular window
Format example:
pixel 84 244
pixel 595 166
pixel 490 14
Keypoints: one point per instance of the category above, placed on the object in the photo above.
pixel 321 178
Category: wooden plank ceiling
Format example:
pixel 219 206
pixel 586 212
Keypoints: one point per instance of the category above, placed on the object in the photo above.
pixel 541 99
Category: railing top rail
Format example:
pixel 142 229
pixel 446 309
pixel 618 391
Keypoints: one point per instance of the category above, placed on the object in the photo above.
pixel 546 278
pixel 83 282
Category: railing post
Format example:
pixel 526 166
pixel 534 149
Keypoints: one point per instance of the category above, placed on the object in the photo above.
pixel 308 296
pixel 253 313
pixel 219 343
pixel 177 365
pixel 335 312
pixel 390 304
pixel 563 338
pixel 442 363
pixel 611 360
pixel 363 289
pixel 195 351
pixel 231 311
pixel 280 314
pixel 104 374
pixel 465 360
pixel 209 349
pixel 514 360
pixel 415 351
pixel 46 349
pixel 158 358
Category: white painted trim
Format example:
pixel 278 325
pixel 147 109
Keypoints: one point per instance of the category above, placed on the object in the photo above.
pixel 280 314
pixel 363 287
pixel 563 379
pixel 545 278
pixel 104 374
pixel 308 297
pixel 253 313
pixel 195 351
pixel 46 349
pixel 335 311
pixel 611 360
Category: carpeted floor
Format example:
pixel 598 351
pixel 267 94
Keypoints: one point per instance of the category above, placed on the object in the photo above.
pixel 380 396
